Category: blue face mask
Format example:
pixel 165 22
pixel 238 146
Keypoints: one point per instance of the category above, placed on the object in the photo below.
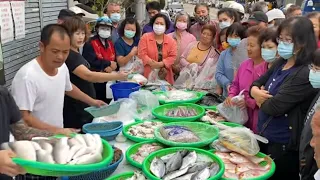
pixel 314 78
pixel 269 55
pixel 129 34
pixel 224 24
pixel 285 50
pixel 234 42
pixel 115 17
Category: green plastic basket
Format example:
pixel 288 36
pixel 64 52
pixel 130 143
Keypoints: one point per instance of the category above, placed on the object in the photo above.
pixel 59 170
pixel 122 176
pixel 206 133
pixel 264 163
pixel 133 138
pixel 198 97
pixel 159 112
pixel 213 108
pixel 163 152
pixel 134 149
pixel 231 124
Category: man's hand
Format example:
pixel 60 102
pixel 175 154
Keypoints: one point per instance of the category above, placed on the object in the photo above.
pixel 66 131
pixel 97 103
pixel 7 166
pixel 113 65
pixel 108 69
pixel 134 51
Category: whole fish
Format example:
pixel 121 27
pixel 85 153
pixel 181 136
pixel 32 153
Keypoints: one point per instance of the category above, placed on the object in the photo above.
pixel 137 176
pixel 256 160
pixel 44 156
pixel 174 163
pixel 198 166
pixel 90 158
pixel 46 146
pixel 251 174
pixel 223 155
pixel 230 175
pixel 252 166
pixel 99 145
pixel 191 158
pixel 24 150
pixel 157 167
pixel 184 153
pixel 90 140
pixel 175 174
pixel 80 139
pixel 61 151
pixel 185 177
pixel 167 157
pixel 214 169
pixel 237 158
pixel 230 166
pixel 36 146
pixel 202 175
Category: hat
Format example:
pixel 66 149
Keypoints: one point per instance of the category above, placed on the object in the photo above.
pixel 275 14
pixel 65 13
pixel 104 20
pixel 77 10
pixel 257 17
pixel 237 6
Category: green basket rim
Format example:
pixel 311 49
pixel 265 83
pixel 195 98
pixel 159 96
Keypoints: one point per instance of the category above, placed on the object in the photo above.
pixel 174 149
pixel 130 150
pixel 122 175
pixel 231 124
pixel 263 177
pixel 69 168
pixel 214 108
pixel 198 97
pixel 133 138
pixel 191 144
pixel 179 119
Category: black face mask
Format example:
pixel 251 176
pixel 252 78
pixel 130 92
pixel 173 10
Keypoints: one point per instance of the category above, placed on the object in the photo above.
pixel 202 19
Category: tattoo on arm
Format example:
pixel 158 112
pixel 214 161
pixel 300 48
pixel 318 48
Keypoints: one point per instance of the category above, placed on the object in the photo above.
pixel 21 131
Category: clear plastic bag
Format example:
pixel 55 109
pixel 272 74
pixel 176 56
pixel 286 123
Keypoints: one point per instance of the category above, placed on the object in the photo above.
pixel 140 79
pixel 177 95
pixel 241 140
pixel 234 113
pixel 206 78
pixel 146 101
pixel 154 79
pixel 187 77
pixel 134 66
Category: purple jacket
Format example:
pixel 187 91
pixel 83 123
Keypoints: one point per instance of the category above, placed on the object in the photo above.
pixel 246 75
pixel 149 28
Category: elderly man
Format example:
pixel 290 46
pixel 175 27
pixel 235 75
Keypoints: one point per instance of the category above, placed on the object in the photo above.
pixel 315 141
pixel 260 6
pixel 113 12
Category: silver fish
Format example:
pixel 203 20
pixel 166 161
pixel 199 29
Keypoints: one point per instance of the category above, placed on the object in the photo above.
pixel 167 157
pixel 174 163
pixel 175 174
pixel 185 177
pixel 61 151
pixel 214 169
pixel 184 153
pixel 202 175
pixel 191 158
pixel 157 167
pixel 44 156
pixel 198 166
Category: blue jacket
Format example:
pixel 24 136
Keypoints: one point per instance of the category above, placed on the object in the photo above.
pixel 225 70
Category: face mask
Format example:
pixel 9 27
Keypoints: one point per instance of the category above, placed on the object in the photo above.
pixel 224 24
pixel 285 50
pixel 104 33
pixel 115 17
pixel 181 25
pixel 129 34
pixel 314 78
pixel 225 45
pixel 159 29
pixel 234 42
pixel 269 55
pixel 202 19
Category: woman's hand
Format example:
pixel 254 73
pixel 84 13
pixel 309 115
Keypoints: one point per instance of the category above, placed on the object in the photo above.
pixel 241 104
pixel 260 95
pixel 134 51
pixel 113 65
pixel 108 69
pixel 7 166
pixel 155 64
pixel 228 102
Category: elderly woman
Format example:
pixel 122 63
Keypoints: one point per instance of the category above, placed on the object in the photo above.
pixel 157 50
pixel 182 36
pixel 201 52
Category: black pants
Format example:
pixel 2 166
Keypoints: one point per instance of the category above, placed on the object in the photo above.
pixel 101 92
pixel 287 162
pixel 34 177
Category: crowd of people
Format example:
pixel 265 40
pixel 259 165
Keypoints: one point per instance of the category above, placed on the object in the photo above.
pixel 272 57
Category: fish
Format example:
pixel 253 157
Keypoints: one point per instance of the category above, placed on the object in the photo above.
pixel 191 158
pixel 174 163
pixel 90 140
pixel 99 145
pixel 214 169
pixel 178 134
pixel 158 167
pixel 258 160
pixel 61 151
pixel 251 173
pixel 219 147
pixel 253 166
pixel 202 175
pixel 90 158
pixel 230 175
pixel 237 158
pixel 82 152
pixel 167 157
pixel 137 176
pixel 186 176
pixel 24 150
pixel 36 146
pixel 73 142
pixel 73 151
pixel 223 155
pixel 198 166
pixel 230 166
pixel 80 138
pixel 46 146
pixel 144 130
pixel 175 174
pixel 144 151
pixel 44 156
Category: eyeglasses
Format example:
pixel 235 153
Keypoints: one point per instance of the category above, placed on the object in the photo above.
pixel 285 41
pixel 314 68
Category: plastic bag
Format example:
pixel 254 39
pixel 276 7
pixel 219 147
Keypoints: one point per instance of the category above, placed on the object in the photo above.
pixel 140 79
pixel 186 79
pixel 206 78
pixel 234 113
pixel 176 95
pixel 240 140
pixel 134 66
pixel 146 101
pixel 178 134
pixel 154 79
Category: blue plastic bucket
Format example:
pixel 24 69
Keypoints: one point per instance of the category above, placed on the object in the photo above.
pixel 123 89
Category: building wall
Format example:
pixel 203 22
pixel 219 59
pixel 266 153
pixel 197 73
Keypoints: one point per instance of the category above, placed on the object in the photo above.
pixel 38 13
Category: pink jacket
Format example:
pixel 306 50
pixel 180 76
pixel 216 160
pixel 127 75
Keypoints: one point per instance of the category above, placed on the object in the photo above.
pixel 246 75
pixel 183 59
pixel 186 39
pixel 148 51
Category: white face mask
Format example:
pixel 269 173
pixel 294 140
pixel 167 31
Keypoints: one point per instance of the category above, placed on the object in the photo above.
pixel 104 33
pixel 159 29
